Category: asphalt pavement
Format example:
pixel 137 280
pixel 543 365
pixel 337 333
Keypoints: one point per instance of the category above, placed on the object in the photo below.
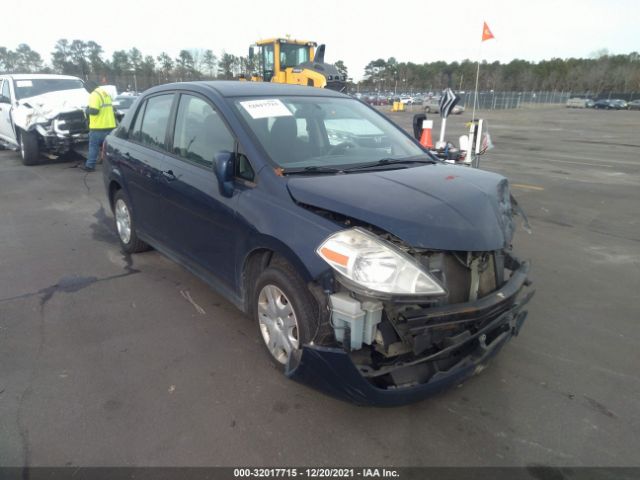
pixel 107 359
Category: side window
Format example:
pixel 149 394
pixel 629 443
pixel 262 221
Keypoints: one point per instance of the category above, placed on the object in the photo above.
pixel 134 132
pixel 5 89
pixel 155 120
pixel 199 133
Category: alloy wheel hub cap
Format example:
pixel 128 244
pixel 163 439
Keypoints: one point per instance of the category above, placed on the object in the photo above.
pixel 123 221
pixel 278 323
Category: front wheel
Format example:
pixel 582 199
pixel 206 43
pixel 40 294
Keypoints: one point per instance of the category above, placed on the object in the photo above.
pixel 29 149
pixel 286 313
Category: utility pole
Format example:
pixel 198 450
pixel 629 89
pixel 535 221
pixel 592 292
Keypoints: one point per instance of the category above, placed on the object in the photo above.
pixel 135 81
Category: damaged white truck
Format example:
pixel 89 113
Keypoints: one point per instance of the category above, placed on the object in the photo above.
pixel 43 114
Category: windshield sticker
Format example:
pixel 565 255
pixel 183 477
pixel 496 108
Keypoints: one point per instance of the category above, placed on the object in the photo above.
pixel 266 108
pixel 24 83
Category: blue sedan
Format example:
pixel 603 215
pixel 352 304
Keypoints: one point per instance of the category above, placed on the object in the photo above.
pixel 373 271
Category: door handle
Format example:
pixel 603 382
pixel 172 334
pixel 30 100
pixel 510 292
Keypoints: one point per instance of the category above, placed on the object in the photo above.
pixel 168 175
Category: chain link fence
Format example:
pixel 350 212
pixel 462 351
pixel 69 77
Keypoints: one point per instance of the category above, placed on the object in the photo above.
pixel 502 100
pixel 505 100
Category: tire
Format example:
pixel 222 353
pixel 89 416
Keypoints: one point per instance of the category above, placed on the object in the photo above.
pixel 125 225
pixel 285 312
pixel 427 110
pixel 29 149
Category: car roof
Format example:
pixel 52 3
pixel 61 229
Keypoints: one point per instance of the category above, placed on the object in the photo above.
pixel 230 88
pixel 36 76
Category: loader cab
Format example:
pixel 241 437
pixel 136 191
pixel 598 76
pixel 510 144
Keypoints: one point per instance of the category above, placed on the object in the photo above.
pixel 273 56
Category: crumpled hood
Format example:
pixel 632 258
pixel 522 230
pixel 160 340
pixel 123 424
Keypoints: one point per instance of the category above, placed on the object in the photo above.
pixel 42 108
pixel 441 207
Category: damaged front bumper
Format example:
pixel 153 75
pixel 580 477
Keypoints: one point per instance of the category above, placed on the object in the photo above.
pixel 65 132
pixel 58 143
pixel 497 316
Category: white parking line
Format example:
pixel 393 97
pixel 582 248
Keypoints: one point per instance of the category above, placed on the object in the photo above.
pixel 553 159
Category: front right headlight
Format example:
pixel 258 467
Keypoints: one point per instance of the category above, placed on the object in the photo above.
pixel 376 265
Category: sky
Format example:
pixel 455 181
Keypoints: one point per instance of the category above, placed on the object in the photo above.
pixel 354 31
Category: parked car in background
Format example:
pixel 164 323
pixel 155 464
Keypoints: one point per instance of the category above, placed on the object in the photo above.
pixel 579 103
pixel 610 104
pixel 407 100
pixel 42 114
pixel 601 104
pixel 432 105
pixel 377 100
pixel 634 105
pixel 121 105
pixel 112 90
pixel 368 273
pixel 619 104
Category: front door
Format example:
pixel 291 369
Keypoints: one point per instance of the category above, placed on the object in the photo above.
pixel 200 222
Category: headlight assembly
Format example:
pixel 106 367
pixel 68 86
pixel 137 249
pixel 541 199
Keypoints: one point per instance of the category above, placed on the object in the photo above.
pixel 376 266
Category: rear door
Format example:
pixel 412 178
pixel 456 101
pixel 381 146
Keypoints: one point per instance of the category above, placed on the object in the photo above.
pixel 200 222
pixel 143 160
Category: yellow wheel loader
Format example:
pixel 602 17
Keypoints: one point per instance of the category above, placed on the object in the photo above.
pixel 283 60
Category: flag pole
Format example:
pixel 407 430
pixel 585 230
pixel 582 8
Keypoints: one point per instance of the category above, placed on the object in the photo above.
pixel 475 93
pixel 486 35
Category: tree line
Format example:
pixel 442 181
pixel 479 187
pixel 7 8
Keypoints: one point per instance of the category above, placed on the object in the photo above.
pixel 126 68
pixel 131 68
pixel 603 73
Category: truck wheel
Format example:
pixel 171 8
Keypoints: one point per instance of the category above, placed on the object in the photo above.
pixel 29 150
pixel 286 313
pixel 125 225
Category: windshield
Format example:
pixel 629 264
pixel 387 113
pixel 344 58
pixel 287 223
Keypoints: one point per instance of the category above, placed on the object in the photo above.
pixel 31 87
pixel 306 132
pixel 293 55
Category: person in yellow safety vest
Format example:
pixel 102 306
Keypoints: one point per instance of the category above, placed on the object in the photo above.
pixel 102 120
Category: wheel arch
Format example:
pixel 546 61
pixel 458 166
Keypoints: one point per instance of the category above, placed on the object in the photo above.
pixel 114 186
pixel 269 251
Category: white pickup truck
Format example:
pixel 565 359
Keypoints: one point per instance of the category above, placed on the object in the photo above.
pixel 42 114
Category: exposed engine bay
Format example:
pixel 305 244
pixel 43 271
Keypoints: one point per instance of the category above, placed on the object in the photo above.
pixel 397 343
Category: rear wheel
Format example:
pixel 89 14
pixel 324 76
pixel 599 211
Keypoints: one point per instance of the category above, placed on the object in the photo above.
pixel 29 150
pixel 125 225
pixel 286 313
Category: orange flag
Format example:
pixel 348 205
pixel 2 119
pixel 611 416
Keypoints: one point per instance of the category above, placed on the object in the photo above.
pixel 486 33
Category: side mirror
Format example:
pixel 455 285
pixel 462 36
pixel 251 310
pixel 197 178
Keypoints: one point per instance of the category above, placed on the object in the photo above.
pixel 224 168
pixel 4 99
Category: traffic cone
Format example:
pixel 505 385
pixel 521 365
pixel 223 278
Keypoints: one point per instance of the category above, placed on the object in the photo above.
pixel 425 137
